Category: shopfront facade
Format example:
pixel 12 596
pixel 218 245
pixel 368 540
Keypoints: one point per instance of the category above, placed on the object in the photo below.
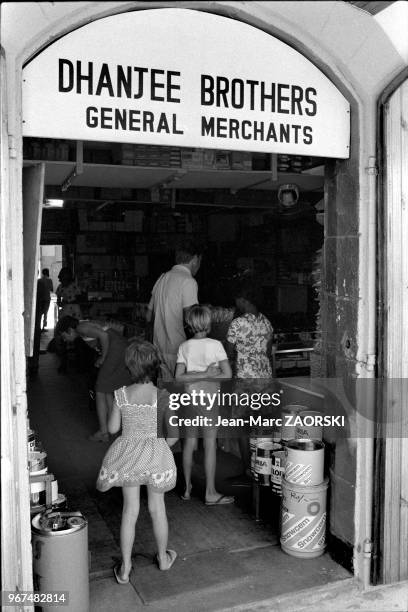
pixel 360 62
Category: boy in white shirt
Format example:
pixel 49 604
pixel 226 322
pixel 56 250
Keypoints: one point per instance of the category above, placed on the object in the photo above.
pixel 198 360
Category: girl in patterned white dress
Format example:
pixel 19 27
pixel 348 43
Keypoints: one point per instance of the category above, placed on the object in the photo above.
pixel 139 456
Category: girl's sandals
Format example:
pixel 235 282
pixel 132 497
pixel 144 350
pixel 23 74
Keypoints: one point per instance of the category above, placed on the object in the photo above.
pixel 171 557
pixel 119 579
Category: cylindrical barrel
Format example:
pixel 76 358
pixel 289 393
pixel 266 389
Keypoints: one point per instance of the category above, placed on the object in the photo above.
pixel 60 558
pixel 277 471
pixel 303 519
pixel 289 413
pixel 304 462
pixel 253 441
pixel 263 461
pixel 309 428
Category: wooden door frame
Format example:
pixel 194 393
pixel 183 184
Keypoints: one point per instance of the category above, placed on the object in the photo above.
pixel 390 452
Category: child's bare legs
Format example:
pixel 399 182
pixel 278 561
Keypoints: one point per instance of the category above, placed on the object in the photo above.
pixel 210 462
pixel 157 510
pixel 130 512
pixel 188 450
pixel 104 402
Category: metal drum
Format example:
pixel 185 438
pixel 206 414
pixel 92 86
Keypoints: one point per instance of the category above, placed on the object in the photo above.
pixel 60 557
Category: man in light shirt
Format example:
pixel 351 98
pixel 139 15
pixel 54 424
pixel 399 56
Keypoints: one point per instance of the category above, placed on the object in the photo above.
pixel 172 295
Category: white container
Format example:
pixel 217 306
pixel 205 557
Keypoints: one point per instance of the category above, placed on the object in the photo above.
pixel 303 519
pixel 304 462
pixel 289 412
pixel 308 429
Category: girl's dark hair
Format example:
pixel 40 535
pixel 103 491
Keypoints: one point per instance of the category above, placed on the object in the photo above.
pixel 248 291
pixel 142 361
pixel 65 324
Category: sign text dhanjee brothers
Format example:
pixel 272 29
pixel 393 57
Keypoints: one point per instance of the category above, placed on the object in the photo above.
pixel 155 85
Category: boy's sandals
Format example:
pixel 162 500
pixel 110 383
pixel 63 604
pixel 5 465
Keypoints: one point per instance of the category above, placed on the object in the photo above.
pixel 119 579
pixel 222 500
pixel 171 557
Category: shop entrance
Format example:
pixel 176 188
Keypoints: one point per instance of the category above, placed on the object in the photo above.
pixel 122 190
pixel 119 239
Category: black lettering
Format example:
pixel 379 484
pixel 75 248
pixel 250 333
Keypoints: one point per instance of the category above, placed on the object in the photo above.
pixel 233 128
pixel 252 85
pixel 282 99
pixel 163 124
pixel 140 72
pixel 222 90
pixel 148 119
pixel 271 133
pixel 124 81
pixel 266 96
pixel 91 120
pixel 297 97
pixel 237 93
pixel 155 85
pixel 171 86
pixel 106 118
pixel 207 87
pixel 120 118
pixel 296 129
pixel 134 120
pixel 70 75
pixel 222 127
pixel 175 130
pixel 259 129
pixel 245 135
pixel 84 77
pixel 104 81
pixel 284 132
pixel 207 126
pixel 310 91
pixel 307 135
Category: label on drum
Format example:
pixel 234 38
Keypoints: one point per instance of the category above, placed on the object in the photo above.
pixel 263 465
pixel 298 473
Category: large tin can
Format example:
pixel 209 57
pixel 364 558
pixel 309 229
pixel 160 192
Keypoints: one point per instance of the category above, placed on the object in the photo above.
pixel 304 462
pixel 303 519
pixel 60 557
pixel 289 413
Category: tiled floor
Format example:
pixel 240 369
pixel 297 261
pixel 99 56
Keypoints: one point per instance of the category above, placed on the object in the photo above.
pixel 225 558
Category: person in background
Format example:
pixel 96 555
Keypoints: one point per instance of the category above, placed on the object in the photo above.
pixel 44 290
pixel 68 293
pixel 172 295
pixel 249 346
pixel 139 456
pixel 111 363
pixel 198 359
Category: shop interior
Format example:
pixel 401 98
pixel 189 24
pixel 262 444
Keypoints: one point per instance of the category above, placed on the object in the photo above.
pixel 119 212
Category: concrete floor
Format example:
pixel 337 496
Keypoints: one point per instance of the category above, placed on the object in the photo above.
pixel 212 572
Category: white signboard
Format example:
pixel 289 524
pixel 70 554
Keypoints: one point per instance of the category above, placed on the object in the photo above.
pixel 183 78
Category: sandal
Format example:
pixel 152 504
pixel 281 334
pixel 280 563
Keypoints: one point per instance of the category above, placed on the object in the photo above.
pixel 119 579
pixel 222 500
pixel 172 555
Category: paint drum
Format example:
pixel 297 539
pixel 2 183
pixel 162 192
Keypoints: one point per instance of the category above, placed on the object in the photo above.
pixel 253 441
pixel 304 462
pixel 289 412
pixel 277 471
pixel 303 519
pixel 263 461
pixel 308 430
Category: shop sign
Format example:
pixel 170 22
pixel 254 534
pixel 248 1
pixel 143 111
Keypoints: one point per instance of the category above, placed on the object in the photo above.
pixel 185 78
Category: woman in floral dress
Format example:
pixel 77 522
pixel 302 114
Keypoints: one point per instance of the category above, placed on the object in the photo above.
pixel 139 456
pixel 249 346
